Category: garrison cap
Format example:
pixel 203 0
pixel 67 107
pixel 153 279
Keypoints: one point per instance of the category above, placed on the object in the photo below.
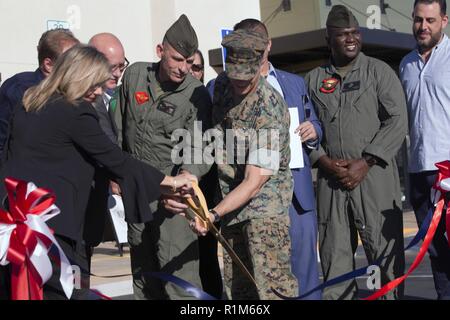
pixel 244 52
pixel 182 37
pixel 341 17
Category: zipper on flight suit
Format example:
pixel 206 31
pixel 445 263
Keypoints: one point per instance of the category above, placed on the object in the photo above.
pixel 356 218
pixel 341 83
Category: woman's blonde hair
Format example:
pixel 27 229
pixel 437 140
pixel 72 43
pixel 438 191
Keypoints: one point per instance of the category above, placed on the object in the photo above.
pixel 79 70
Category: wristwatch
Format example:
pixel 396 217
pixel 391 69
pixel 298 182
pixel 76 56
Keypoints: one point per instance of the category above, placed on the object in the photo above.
pixel 371 160
pixel 215 214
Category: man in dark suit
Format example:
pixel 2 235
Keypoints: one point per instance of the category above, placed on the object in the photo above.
pixel 112 48
pixel 52 44
pixel 97 227
pixel 302 213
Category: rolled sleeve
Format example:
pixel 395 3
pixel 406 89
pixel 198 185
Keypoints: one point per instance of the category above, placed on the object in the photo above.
pixel 265 158
pixel 315 155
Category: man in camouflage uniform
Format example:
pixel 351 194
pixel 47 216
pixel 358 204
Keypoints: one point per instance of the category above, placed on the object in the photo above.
pixel 361 105
pixel 257 193
pixel 155 99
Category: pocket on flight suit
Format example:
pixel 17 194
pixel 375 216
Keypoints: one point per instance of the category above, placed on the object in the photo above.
pixel 171 124
pixel 321 109
pixel 365 113
pixel 168 118
pixel 371 226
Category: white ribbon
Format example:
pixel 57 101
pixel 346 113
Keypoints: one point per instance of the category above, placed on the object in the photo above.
pixel 39 257
pixel 5 235
pixel 445 184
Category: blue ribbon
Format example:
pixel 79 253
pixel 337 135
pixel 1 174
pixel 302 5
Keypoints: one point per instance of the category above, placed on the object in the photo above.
pixel 186 286
pixel 362 271
pixel 201 295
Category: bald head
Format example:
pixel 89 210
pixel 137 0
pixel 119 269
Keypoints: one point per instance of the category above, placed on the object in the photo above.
pixel 112 48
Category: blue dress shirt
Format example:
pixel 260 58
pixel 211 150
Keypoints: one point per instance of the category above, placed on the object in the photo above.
pixel 427 89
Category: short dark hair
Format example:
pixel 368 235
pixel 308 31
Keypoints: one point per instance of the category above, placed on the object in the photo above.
pixel 52 43
pixel 252 25
pixel 202 61
pixel 200 54
pixel 442 4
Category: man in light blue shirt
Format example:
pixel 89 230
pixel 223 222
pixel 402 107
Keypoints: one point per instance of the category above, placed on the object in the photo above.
pixel 425 76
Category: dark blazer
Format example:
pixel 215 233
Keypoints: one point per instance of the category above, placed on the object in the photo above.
pixel 295 95
pixel 56 148
pixel 11 94
pixel 96 222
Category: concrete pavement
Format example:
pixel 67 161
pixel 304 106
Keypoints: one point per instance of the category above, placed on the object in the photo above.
pixel 107 262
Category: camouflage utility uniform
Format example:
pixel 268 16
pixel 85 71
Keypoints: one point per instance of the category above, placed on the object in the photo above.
pixel 259 231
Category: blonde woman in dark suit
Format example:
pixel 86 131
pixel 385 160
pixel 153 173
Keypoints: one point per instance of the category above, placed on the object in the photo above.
pixel 56 140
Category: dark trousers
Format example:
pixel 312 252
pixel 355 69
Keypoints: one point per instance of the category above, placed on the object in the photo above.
pixel 439 250
pixel 97 209
pixel 303 233
pixel 4 283
pixel 209 265
pixel 53 290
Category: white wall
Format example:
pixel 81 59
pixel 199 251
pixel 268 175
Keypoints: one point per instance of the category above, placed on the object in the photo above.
pixel 140 24
pixel 397 17
pixel 208 17
pixel 22 22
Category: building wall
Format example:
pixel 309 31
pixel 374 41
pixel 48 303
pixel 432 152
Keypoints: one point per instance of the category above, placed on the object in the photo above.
pixel 303 16
pixel 397 17
pixel 140 24
pixel 210 16
pixel 308 15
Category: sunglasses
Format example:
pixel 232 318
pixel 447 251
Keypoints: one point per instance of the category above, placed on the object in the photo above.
pixel 197 67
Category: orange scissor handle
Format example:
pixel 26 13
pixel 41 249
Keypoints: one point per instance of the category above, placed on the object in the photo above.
pixel 198 206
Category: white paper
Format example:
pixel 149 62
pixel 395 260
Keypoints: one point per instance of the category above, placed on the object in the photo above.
pixel 117 212
pixel 296 141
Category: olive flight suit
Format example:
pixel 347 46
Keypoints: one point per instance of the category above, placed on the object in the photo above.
pixel 146 114
pixel 363 113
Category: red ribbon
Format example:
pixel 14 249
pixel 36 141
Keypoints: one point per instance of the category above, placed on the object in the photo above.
pixel 447 222
pixel 444 173
pixel 26 283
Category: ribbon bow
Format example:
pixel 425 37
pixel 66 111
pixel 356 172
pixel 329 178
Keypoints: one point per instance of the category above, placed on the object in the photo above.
pixel 25 241
pixel 426 232
pixel 443 186
pixel 440 188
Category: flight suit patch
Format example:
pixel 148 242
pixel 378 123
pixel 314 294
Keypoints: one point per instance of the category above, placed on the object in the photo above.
pixel 329 85
pixel 141 97
pixel 351 86
pixel 167 107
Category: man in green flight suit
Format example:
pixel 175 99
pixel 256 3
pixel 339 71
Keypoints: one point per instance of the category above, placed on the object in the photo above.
pixel 156 99
pixel 361 105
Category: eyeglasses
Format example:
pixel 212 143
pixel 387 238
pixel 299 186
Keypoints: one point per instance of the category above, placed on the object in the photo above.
pixel 197 67
pixel 94 88
pixel 121 66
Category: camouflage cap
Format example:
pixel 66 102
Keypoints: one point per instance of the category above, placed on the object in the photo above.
pixel 182 37
pixel 244 53
pixel 341 17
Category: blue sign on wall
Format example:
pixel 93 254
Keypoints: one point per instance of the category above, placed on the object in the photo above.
pixel 225 32
pixel 57 24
